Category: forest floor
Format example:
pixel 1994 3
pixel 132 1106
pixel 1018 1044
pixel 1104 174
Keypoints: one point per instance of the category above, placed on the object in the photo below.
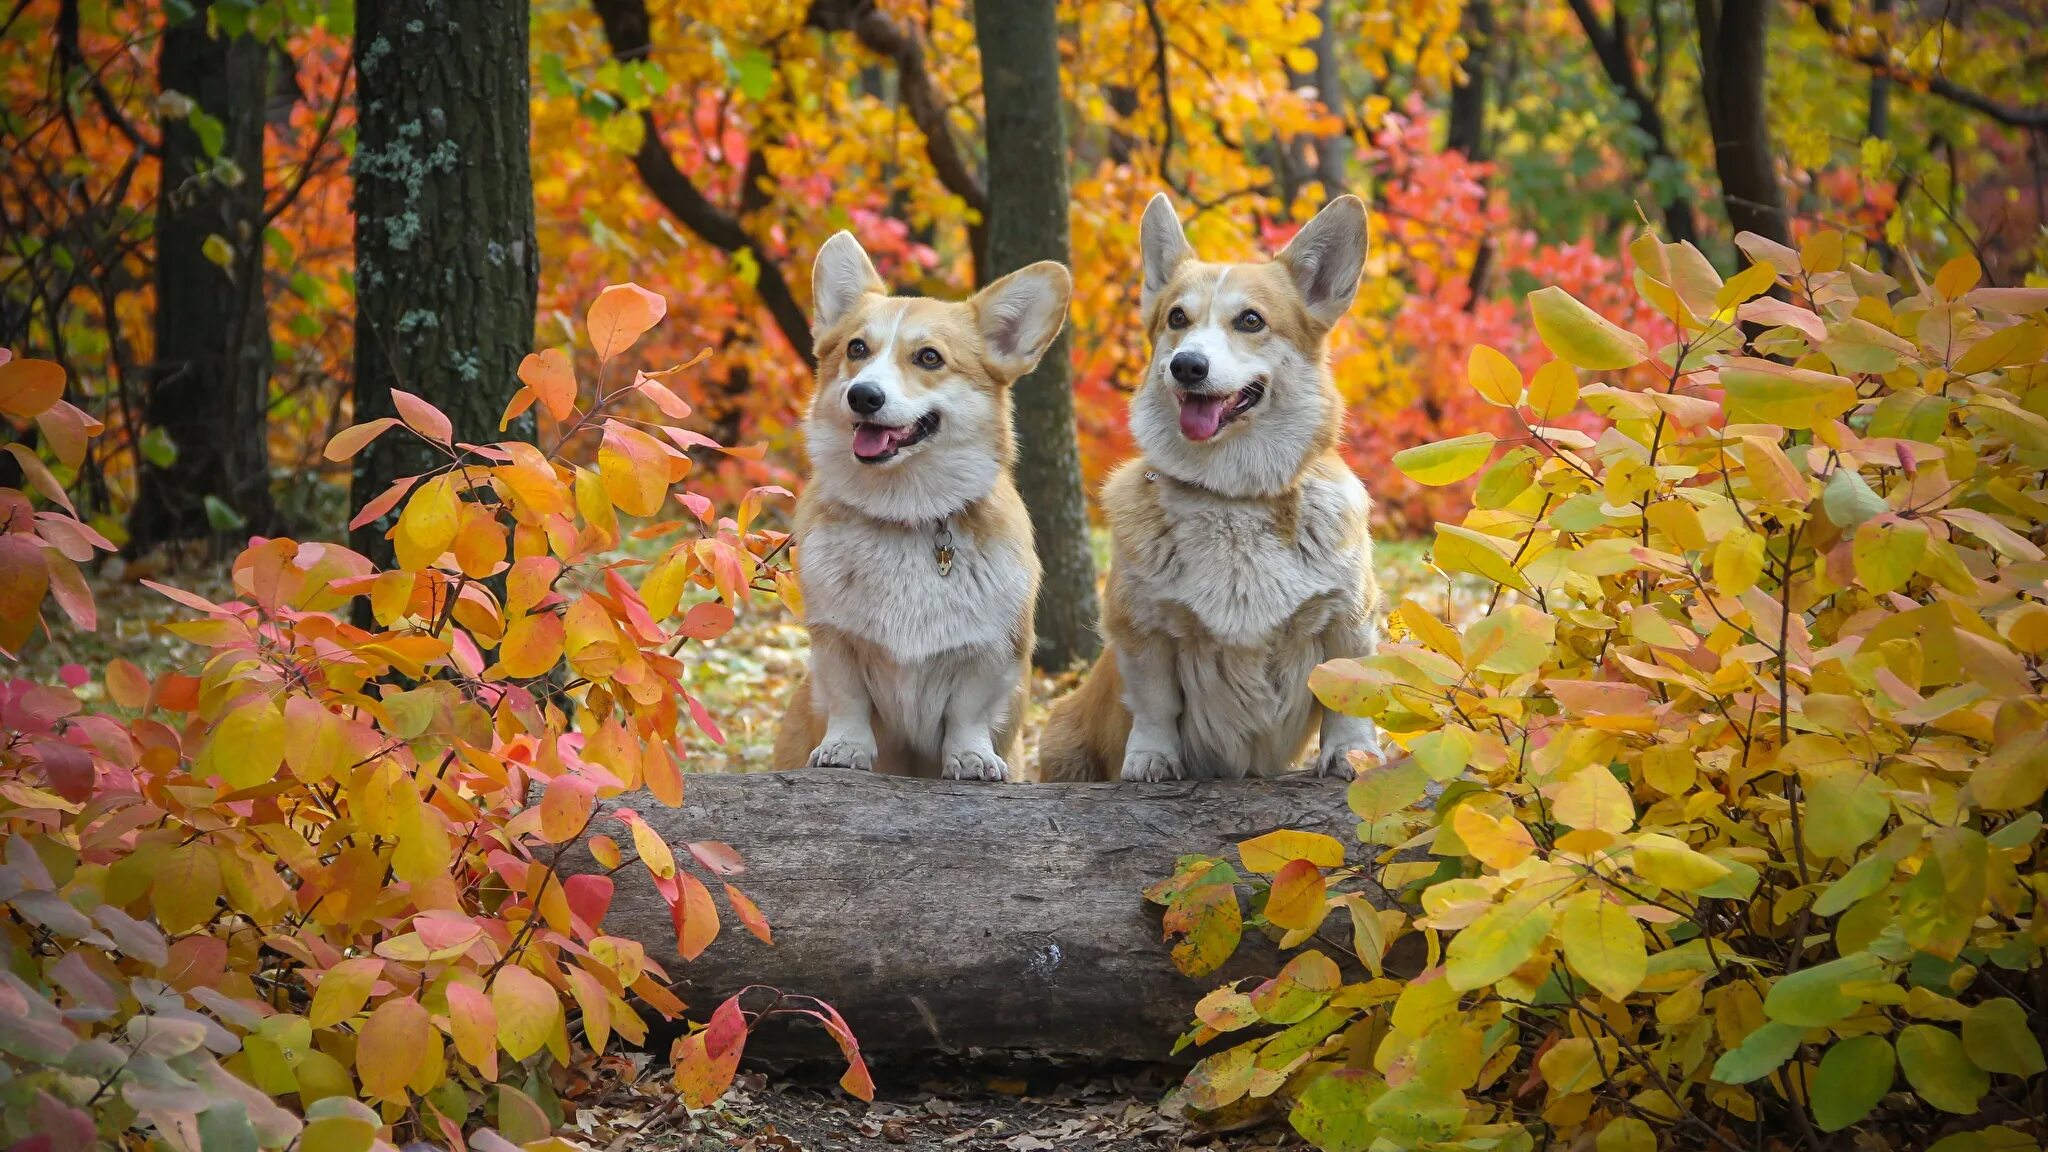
pixel 744 679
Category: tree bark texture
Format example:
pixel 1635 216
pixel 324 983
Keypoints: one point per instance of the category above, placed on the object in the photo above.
pixel 1733 39
pixel 1027 191
pixel 447 267
pixel 210 383
pixel 944 916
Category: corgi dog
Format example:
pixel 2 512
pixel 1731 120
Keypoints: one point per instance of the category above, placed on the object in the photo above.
pixel 1241 556
pixel 915 555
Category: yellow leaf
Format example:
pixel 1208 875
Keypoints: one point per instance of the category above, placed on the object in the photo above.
pixel 1494 376
pixel 390 1047
pixel 343 991
pixel 1296 899
pixel 1500 941
pixel 1498 844
pixel 634 468
pixel 248 746
pixel 186 887
pixel 1957 277
pixel 1821 252
pixel 1747 284
pixel 1269 853
pixel 527 1008
pixel 1571 1065
pixel 532 645
pixel 1445 461
pixel 1463 550
pixel 1738 562
pixel 1554 391
pixel 1582 336
pixel 432 516
pixel 473 1022
pixel 1603 944
pixel 1887 551
pixel 1671 863
pixel 1592 798
pixel 654 851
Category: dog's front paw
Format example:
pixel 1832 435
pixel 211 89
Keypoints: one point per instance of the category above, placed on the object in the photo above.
pixel 843 754
pixel 971 765
pixel 1335 759
pixel 1144 766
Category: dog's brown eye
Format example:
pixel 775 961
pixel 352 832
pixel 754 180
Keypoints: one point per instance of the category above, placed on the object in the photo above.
pixel 1175 318
pixel 856 349
pixel 929 358
pixel 1250 321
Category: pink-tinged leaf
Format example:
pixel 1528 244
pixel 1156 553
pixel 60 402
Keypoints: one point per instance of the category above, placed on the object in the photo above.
pixel 473 1022
pixel 354 439
pixel 700 506
pixel 39 476
pixel 727 1029
pixel 717 857
pixel 620 315
pixel 65 430
pixel 24 579
pixel 857 1082
pixel 69 589
pixel 385 501
pixel 190 600
pixel 553 379
pixel 423 417
pixel 671 405
pixel 686 439
pixel 589 897
pixel 703 719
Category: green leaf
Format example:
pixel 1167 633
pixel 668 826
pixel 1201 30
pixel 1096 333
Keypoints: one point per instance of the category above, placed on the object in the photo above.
pixel 211 132
pixel 1886 552
pixel 1759 1053
pixel 1497 943
pixel 1331 1112
pixel 221 517
pixel 1812 997
pixel 158 448
pixel 1854 1075
pixel 1997 1138
pixel 1845 807
pixel 1849 500
pixel 1940 1070
pixel 226 1127
pixel 1582 336
pixel 1869 876
pixel 755 71
pixel 1998 1038
pixel 1444 752
pixel 1445 461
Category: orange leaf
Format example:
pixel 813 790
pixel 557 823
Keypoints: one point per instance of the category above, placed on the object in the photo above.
pixel 750 914
pixel 718 857
pixel 553 379
pixel 422 417
pixel 127 685
pixel 565 808
pixel 635 469
pixel 27 387
pixel 354 439
pixel 1296 900
pixel 707 621
pixel 622 314
pixel 390 1047
pixel 695 916
pixel 605 851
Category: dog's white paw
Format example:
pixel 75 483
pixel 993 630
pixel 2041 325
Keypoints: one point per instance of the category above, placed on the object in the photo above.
pixel 843 754
pixel 970 765
pixel 1147 767
pixel 1335 760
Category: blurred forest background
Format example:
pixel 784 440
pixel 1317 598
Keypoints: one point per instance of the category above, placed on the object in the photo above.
pixel 237 224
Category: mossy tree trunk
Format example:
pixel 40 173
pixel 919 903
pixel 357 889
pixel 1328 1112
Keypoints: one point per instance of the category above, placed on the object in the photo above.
pixel 1027 190
pixel 447 267
pixel 210 382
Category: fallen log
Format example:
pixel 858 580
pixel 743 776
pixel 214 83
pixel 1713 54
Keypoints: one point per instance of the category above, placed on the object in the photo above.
pixel 956 917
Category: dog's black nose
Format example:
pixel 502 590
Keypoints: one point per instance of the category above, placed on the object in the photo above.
pixel 1189 367
pixel 864 398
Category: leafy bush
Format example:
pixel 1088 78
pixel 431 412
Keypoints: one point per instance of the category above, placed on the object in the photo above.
pixel 1723 827
pixel 307 872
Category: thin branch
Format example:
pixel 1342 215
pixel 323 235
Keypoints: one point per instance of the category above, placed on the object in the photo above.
pixel 69 56
pixel 2012 115
pixel 308 167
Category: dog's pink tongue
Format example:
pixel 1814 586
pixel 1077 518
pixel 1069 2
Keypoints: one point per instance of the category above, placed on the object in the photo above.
pixel 874 439
pixel 1201 416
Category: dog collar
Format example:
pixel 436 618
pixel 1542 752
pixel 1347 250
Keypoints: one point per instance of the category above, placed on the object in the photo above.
pixel 942 548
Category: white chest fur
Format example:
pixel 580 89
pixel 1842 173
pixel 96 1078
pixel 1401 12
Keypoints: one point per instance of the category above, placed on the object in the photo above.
pixel 1233 566
pixel 881 581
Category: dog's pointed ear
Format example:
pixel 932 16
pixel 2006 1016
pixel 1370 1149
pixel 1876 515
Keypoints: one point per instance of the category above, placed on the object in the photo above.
pixel 1164 246
pixel 1020 314
pixel 840 276
pixel 1327 256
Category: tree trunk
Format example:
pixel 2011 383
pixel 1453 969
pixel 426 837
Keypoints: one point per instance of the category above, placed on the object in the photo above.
pixel 1733 36
pixel 1617 58
pixel 1027 183
pixel 1467 130
pixel 210 385
pixel 447 267
pixel 942 916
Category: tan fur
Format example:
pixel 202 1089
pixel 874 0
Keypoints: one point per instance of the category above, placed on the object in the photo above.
pixel 1238 562
pixel 914 670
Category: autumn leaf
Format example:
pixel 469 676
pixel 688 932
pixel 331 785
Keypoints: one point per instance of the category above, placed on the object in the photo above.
pixel 528 1009
pixel 622 314
pixel 552 379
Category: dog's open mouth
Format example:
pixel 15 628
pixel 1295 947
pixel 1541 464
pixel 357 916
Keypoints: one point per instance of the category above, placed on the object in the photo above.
pixel 875 443
pixel 1203 415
